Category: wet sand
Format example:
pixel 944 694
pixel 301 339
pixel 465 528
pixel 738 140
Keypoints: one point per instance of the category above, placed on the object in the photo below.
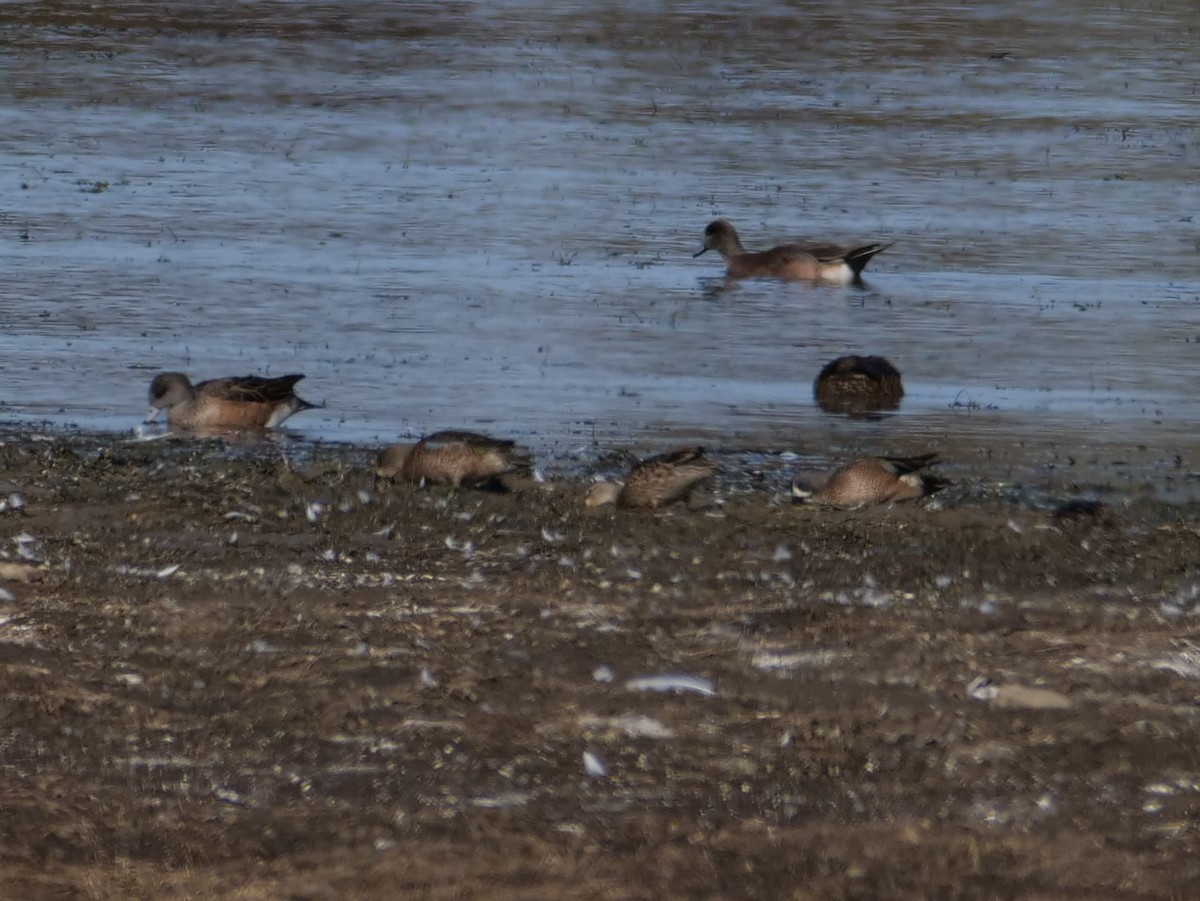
pixel 249 672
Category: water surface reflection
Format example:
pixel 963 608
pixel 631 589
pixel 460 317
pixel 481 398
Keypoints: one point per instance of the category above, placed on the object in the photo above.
pixel 470 215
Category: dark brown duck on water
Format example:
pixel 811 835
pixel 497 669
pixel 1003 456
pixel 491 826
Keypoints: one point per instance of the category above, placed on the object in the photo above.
pixel 854 384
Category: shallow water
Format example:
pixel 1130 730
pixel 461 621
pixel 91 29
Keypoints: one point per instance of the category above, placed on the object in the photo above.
pixel 479 215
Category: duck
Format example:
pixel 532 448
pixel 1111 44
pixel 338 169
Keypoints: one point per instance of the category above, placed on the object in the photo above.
pixel 854 384
pixel 872 480
pixel 656 481
pixel 809 261
pixel 455 458
pixel 253 401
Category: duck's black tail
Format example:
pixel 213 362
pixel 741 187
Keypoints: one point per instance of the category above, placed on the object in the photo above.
pixel 858 257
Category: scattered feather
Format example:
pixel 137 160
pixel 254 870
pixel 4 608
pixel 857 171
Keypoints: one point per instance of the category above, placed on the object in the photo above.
pixel 26 551
pixel 1185 664
pixel 167 571
pixel 593 765
pixel 671 682
pixel 632 725
pixel 981 689
pixel 778 660
pixel 229 796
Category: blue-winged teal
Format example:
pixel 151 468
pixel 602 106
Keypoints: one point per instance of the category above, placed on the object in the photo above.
pixel 656 481
pixel 809 261
pixel 236 402
pixel 872 480
pixel 452 458
pixel 856 384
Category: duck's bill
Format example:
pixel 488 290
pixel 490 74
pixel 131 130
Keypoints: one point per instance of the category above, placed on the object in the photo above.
pixel 700 251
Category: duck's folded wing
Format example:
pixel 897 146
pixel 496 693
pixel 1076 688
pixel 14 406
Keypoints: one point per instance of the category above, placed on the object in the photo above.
pixel 824 251
pixel 473 440
pixel 252 389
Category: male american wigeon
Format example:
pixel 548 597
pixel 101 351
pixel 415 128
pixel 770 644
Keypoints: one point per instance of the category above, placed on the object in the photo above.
pixel 872 480
pixel 854 384
pixel 810 261
pixel 656 481
pixel 235 402
pixel 452 458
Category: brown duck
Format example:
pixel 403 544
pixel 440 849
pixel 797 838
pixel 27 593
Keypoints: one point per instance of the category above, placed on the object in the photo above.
pixel 872 480
pixel 458 459
pixel 854 384
pixel 656 481
pixel 808 261
pixel 235 402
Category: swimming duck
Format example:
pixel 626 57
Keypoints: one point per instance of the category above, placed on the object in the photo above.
pixel 808 261
pixel 854 384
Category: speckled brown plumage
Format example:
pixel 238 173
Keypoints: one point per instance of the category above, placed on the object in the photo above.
pixel 806 261
pixel 656 481
pixel 872 480
pixel 452 458
pixel 854 384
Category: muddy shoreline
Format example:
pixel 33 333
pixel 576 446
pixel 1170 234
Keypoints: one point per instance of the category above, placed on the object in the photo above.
pixel 241 672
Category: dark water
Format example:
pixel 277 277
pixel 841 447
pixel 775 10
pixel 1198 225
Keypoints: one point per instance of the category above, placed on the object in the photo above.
pixel 483 215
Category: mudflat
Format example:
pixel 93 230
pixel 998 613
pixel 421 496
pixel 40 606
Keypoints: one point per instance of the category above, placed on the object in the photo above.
pixel 251 672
